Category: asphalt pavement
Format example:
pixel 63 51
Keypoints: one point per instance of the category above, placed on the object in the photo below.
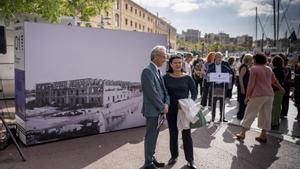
pixel 214 148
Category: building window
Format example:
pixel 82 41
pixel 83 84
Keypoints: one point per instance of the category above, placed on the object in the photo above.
pixel 126 21
pixel 131 23
pixel 135 25
pixel 143 15
pixel 126 6
pixel 140 13
pixel 135 11
pixel 117 20
pixel 107 13
pixel 131 9
pixel 140 26
pixel 143 27
pixel 118 4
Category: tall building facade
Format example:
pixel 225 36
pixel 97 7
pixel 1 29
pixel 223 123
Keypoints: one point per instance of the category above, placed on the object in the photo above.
pixel 222 38
pixel 129 16
pixel 245 41
pixel 192 35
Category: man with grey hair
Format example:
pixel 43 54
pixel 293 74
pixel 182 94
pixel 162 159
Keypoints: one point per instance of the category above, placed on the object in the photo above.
pixel 155 103
pixel 219 66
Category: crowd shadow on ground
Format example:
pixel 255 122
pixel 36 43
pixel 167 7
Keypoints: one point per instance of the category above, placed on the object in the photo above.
pixel 203 136
pixel 74 153
pixel 251 156
pixel 246 156
pixel 262 155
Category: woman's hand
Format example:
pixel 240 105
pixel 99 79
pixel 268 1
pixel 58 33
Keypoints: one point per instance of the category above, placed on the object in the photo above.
pixel 242 91
pixel 246 100
pixel 282 89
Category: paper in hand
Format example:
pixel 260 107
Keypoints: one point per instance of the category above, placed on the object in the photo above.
pixel 161 119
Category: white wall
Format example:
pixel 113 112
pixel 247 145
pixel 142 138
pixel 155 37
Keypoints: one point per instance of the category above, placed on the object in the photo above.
pixel 55 53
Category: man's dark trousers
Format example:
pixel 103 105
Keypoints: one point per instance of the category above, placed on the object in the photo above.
pixel 215 99
pixel 206 94
pixel 150 139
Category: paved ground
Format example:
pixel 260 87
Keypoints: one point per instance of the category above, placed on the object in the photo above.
pixel 214 147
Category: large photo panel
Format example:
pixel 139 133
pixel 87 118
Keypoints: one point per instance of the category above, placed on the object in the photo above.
pixel 82 81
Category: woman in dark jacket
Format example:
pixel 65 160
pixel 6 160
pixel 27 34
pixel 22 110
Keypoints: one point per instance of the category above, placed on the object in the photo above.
pixel 230 87
pixel 286 86
pixel 243 80
pixel 179 86
pixel 278 71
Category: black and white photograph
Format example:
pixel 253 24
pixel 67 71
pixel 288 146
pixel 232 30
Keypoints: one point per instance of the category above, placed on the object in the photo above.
pixel 81 81
pixel 70 108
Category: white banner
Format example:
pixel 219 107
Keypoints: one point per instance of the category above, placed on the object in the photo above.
pixel 219 77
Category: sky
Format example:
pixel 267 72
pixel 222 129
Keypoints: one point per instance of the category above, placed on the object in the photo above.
pixel 235 17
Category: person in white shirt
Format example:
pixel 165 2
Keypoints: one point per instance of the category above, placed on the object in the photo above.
pixel 187 66
pixel 218 66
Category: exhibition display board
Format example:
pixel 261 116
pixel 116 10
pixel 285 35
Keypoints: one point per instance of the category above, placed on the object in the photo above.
pixel 73 81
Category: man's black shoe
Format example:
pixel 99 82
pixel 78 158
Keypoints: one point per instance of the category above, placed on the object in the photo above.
pixel 152 166
pixel 158 164
pixel 239 117
pixel 224 120
pixel 192 165
pixel 172 161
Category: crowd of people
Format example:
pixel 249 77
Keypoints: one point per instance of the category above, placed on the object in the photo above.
pixel 263 87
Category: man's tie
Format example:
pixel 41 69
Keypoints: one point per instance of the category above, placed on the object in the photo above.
pixel 161 83
pixel 159 75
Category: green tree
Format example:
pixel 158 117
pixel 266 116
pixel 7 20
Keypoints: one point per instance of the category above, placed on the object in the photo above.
pixel 51 10
pixel 188 45
pixel 214 47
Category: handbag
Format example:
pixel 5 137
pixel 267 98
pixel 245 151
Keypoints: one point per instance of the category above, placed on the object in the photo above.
pixel 201 122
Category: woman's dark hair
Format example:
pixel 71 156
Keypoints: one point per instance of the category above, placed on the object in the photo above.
pixel 277 62
pixel 242 57
pixel 231 60
pixel 170 69
pixel 260 59
pixel 285 59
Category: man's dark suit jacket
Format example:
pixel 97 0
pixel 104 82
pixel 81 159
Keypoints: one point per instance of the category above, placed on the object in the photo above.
pixel 224 69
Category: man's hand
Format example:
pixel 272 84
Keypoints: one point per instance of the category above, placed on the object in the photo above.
pixel 166 108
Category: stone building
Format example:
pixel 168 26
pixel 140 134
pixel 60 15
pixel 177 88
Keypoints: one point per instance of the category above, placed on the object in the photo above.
pixel 85 92
pixel 128 15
